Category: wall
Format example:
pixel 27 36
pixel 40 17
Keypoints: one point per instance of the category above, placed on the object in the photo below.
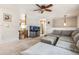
pixel 9 30
pixel 58 24
pixel 70 21
pixel 78 22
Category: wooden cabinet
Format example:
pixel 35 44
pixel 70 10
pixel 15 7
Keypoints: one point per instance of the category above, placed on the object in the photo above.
pixel 23 34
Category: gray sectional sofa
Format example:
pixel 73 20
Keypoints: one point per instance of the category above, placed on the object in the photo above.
pixel 66 39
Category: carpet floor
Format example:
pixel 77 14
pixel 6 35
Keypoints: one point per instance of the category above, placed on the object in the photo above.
pixel 15 47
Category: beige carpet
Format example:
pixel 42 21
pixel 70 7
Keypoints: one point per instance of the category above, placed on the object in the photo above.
pixel 14 48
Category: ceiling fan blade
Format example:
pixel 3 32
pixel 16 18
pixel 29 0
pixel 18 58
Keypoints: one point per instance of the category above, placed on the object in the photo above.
pixel 50 5
pixel 48 10
pixel 38 5
pixel 37 10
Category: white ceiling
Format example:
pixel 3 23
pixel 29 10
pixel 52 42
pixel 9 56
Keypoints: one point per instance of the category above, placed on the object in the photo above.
pixel 59 10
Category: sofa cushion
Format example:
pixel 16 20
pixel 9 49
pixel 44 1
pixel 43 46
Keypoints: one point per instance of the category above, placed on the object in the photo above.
pixel 74 33
pixel 76 38
pixel 53 35
pixel 77 45
pixel 66 32
pixel 67 45
pixel 66 38
pixel 46 49
pixel 49 39
pixel 57 32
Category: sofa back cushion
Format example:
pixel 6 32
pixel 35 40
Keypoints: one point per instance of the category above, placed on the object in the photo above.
pixel 76 38
pixel 66 32
pixel 74 33
pixel 57 32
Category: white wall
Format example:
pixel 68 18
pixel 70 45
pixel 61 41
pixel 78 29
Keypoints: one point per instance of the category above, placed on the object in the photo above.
pixel 58 24
pixel 70 22
pixel 78 22
pixel 1 25
pixel 9 29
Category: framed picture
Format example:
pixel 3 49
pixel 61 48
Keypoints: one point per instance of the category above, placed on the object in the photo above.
pixel 7 17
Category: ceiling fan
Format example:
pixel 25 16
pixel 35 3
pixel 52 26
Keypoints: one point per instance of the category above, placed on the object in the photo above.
pixel 44 7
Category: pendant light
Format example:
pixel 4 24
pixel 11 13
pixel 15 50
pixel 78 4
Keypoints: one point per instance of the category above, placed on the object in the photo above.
pixel 65 20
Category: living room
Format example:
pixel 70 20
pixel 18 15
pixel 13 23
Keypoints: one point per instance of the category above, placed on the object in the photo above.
pixel 18 19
